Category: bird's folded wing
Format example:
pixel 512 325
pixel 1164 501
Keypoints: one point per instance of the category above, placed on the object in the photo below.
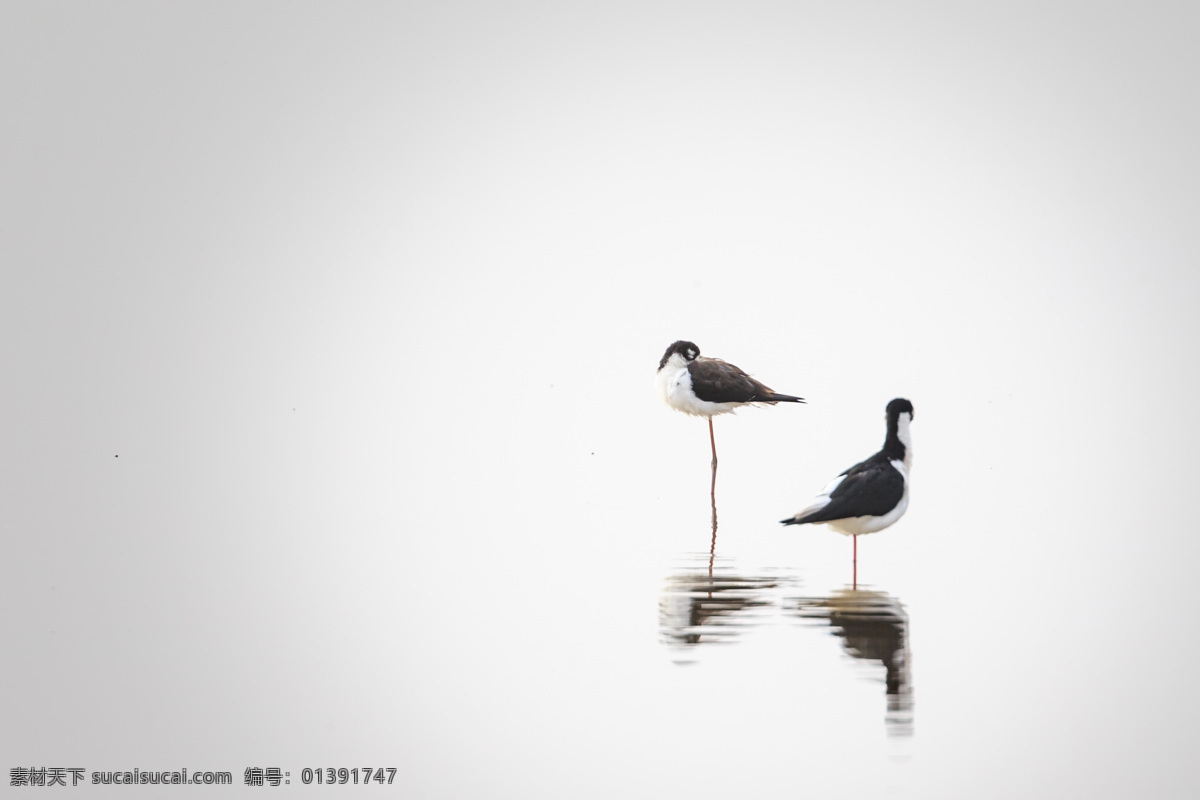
pixel 717 381
pixel 872 488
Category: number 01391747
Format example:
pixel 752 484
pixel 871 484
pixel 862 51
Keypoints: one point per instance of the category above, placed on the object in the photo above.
pixel 380 775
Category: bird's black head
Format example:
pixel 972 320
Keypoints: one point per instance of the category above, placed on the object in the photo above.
pixel 688 350
pixel 898 407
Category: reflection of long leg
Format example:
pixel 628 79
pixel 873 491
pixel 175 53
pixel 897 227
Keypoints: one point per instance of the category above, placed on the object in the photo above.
pixel 855 584
pixel 712 548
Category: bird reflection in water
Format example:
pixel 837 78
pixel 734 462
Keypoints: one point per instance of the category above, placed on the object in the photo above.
pixel 873 626
pixel 712 606
pixel 716 606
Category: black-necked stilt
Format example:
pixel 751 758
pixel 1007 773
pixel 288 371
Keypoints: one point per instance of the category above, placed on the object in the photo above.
pixel 872 494
pixel 707 387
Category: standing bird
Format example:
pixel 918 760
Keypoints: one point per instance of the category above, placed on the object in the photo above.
pixel 872 494
pixel 707 387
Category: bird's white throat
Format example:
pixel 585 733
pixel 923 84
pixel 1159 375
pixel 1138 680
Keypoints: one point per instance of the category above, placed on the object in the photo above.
pixel 675 363
pixel 668 375
pixel 905 436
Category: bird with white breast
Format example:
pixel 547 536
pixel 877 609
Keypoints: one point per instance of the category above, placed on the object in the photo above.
pixel 872 494
pixel 708 387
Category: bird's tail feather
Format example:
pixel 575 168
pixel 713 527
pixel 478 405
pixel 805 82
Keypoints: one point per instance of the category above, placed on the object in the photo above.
pixel 775 397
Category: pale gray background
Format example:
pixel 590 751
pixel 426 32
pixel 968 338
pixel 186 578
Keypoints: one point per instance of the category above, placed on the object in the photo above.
pixel 328 432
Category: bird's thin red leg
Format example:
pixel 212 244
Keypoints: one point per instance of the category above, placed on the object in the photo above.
pixel 854 586
pixel 712 551
pixel 712 440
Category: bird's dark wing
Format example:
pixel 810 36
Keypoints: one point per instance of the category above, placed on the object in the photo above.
pixel 717 381
pixel 870 488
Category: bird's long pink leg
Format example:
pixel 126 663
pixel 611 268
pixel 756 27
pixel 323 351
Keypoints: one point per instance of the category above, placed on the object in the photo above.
pixel 712 552
pixel 854 587
pixel 712 440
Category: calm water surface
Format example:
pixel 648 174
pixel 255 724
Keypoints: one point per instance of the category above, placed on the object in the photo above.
pixel 717 606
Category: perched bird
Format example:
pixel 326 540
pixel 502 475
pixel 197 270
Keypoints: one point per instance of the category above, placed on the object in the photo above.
pixel 872 494
pixel 707 387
